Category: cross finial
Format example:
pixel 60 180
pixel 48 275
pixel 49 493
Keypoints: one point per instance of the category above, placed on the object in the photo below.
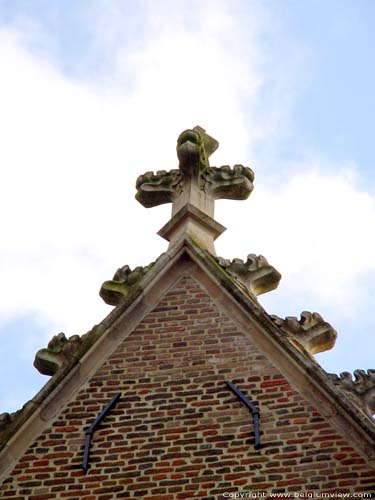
pixel 193 189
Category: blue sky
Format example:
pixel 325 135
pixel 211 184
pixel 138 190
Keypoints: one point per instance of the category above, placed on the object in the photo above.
pixel 95 93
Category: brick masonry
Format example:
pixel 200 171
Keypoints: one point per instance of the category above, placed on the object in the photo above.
pixel 177 431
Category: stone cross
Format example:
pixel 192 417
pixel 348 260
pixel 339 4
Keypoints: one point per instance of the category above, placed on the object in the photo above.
pixel 193 188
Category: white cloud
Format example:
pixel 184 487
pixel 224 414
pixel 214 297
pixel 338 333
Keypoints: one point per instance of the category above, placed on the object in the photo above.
pixel 317 229
pixel 71 154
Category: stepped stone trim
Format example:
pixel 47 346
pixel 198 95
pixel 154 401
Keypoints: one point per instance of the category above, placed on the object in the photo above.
pixel 255 273
pixel 361 388
pixel 310 331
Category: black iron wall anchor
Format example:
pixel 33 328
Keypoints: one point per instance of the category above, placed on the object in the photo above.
pixel 241 396
pixel 90 431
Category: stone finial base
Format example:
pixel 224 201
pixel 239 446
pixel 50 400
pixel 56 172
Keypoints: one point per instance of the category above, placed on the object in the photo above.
pixel 192 222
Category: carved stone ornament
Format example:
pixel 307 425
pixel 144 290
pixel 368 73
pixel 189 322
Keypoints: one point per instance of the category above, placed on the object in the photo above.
pixel 7 419
pixel 311 331
pixel 195 184
pixel 157 189
pixel 229 183
pixel 194 147
pixel 59 352
pixel 362 388
pixel 124 282
pixel 255 273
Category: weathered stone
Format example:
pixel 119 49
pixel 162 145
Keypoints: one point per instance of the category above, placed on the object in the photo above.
pixel 255 273
pixel 229 183
pixel 196 185
pixel 7 419
pixel 157 189
pixel 190 222
pixel 362 388
pixel 59 352
pixel 194 147
pixel 124 282
pixel 311 331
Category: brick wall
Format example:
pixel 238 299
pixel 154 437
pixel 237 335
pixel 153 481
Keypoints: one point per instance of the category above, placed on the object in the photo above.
pixel 177 432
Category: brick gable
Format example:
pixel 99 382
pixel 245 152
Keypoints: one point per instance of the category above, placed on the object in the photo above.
pixel 177 431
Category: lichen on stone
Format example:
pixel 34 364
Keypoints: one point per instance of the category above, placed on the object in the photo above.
pixel 194 147
pixel 310 331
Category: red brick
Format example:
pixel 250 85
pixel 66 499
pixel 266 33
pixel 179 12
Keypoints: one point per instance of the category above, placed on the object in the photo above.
pixel 178 432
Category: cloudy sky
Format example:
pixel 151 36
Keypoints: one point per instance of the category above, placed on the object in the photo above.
pixel 94 93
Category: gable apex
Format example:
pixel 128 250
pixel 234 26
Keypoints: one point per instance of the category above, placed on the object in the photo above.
pixel 230 296
pixel 184 330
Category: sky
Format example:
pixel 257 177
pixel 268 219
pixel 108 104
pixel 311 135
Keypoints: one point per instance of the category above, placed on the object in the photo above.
pixel 94 93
